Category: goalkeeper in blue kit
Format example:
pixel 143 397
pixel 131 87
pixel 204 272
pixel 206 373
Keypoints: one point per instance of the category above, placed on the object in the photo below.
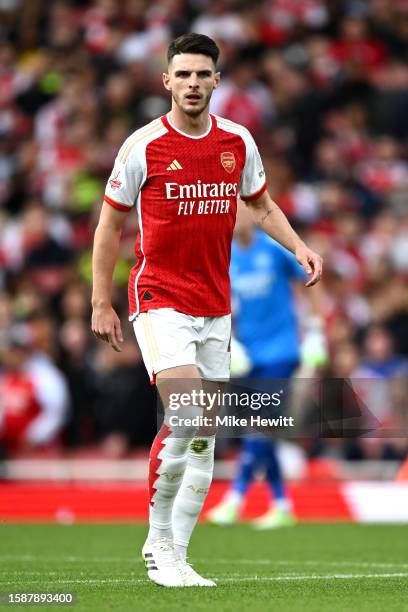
pixel 266 326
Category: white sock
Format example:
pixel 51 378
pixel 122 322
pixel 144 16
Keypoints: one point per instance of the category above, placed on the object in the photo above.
pixel 193 490
pixel 155 533
pixel 181 551
pixel 167 463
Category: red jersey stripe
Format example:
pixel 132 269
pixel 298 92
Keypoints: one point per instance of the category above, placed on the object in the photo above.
pixel 117 205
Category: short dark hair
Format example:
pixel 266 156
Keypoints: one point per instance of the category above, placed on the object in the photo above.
pixel 193 43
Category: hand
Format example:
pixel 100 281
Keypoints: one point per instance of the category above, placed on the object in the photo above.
pixel 311 262
pixel 106 326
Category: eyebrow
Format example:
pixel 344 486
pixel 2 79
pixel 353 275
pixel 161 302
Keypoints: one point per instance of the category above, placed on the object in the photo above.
pixel 188 72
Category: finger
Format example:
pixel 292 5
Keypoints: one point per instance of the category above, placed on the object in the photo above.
pixel 306 266
pixel 115 346
pixel 101 336
pixel 118 331
pixel 312 281
pixel 113 342
pixel 317 273
pixel 95 328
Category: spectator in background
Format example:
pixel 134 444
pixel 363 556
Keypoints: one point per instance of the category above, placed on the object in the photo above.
pixel 126 404
pixel 34 398
pixel 242 96
pixel 218 21
pixel 386 391
pixel 380 357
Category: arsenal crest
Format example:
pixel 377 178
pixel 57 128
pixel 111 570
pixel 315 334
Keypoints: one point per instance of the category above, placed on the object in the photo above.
pixel 228 161
pixel 115 183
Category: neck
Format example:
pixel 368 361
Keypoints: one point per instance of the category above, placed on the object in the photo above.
pixel 195 126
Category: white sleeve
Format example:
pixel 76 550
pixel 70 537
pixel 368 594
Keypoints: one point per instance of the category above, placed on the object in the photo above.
pixel 125 181
pixel 52 394
pixel 253 182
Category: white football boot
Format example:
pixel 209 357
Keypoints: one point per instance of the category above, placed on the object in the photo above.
pixel 192 578
pixel 162 563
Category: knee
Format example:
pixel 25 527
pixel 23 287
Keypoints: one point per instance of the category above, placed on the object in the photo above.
pixel 184 422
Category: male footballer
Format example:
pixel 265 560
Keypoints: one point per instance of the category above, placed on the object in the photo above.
pixel 183 172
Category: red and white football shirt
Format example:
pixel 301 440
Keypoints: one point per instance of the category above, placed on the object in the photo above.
pixel 185 189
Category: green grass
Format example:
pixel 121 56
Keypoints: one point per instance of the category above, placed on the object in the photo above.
pixel 309 568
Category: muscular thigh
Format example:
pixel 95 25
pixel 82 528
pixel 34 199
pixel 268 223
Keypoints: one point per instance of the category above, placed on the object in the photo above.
pixel 167 340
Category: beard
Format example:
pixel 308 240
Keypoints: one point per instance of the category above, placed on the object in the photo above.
pixel 194 111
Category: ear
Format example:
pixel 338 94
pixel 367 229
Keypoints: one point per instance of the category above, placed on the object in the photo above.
pixel 166 81
pixel 217 78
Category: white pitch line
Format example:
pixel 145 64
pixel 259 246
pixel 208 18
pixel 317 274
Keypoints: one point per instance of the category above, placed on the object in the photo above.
pixel 83 581
pixel 29 573
pixel 255 578
pixel 13 573
pixel 301 562
pixel 317 577
pixel 102 559
pixel 70 558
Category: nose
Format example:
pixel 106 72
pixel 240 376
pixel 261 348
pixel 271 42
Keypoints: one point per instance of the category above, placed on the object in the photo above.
pixel 193 80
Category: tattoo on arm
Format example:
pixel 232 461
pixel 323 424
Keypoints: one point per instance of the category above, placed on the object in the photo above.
pixel 268 212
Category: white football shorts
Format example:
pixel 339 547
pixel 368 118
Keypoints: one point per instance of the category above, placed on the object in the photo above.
pixel 168 338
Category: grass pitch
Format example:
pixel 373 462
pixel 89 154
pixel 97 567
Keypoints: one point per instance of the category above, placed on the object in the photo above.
pixel 308 568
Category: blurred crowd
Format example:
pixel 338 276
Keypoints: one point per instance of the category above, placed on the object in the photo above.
pixel 323 87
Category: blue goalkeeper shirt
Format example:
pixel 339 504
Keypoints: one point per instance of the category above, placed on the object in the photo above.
pixel 265 319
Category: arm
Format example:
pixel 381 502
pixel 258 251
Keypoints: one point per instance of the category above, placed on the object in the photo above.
pixel 268 216
pixel 105 321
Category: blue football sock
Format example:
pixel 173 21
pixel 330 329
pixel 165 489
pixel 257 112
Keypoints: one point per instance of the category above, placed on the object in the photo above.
pixel 251 459
pixel 273 470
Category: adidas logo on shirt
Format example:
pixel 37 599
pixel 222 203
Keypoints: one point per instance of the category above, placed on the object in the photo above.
pixel 175 165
